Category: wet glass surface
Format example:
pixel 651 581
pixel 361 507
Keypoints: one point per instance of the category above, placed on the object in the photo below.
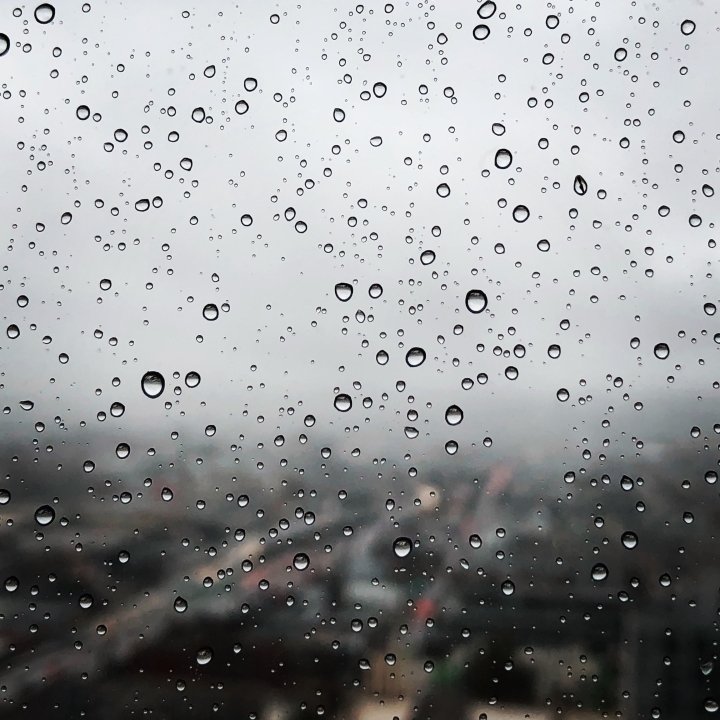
pixel 359 361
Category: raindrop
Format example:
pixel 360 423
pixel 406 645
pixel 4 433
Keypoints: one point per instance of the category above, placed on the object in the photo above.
pixel 342 402
pixel 301 561
pixel 379 89
pixel 4 497
pixel 678 136
pixel 198 114
pixel 12 584
pixel 338 115
pixel 415 357
pixel 210 430
pixel 481 32
pixel 475 541
pixel 687 27
pixel 309 420
pixel 695 220
pixel 428 666
pixel 554 351
pixel 629 540
pixel 65 218
pixel 343 291
pixel 390 659
pixel 204 656
pixel 117 409
pixel 508 587
pixel 209 71
pixel 711 705
pixel 451 447
pixel 152 384
pixel 476 301
pixel 27 404
pixel 105 284
pixel 44 13
pixel 142 205
pixel 13 331
pixel 375 291
pixel 211 312
pixel 82 112
pixel 503 159
pixel 599 572
pixel 382 357
pixel 498 129
pixel 166 494
pixel 709 308
pixel 122 450
pixel 563 395
pixel 427 257
pixel 22 300
pixel 661 351
pixel 580 186
pixel 454 415
pixel 241 107
pixel 186 164
pixel 708 190
pixel 180 604
pixel 443 190
pixel 44 515
pixel 402 547
pixel 665 580
pixel 711 477
pixel 250 84
pixel 552 21
pixel 487 10
pixel 85 601
pixel 511 372
pixel 520 213
pixel 192 379
pixel 4 44
pixel 620 54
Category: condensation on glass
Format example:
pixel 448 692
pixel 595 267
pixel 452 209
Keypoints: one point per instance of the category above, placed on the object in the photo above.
pixel 359 361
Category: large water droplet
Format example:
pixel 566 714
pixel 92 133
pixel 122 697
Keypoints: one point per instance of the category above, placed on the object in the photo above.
pixel 687 27
pixel 711 705
pixel 122 450
pixel 338 115
pixel 12 584
pixel 629 540
pixel 481 32
pixel 211 312
pixel 209 71
pixel 82 112
pixel 198 114
pixel 402 547
pixel 152 384
pixel 475 541
pixel 599 572
pixel 375 291
pixel 503 159
pixel 342 402
pixel 415 357
pixel 85 601
pixel 554 351
pixel 508 587
pixel 520 213
pixel 4 44
pixel 204 656
pixel 117 409
pixel 620 54
pixel 45 12
pixel 476 301
pixel 454 415
pixel 563 395
pixel 343 291
pixel 661 351
pixel 44 515
pixel 580 185
pixel 180 604
pixel 241 107
pixel 142 205
pixel 427 257
pixel 13 331
pixel 301 561
pixel 192 379
pixel 443 190
pixel 379 89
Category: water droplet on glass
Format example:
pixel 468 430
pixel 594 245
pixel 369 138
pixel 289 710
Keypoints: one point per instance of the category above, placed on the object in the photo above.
pixel 552 21
pixel 709 308
pixel 687 27
pixel 503 159
pixel 629 540
pixel 204 656
pixel 180 604
pixel 620 54
pixel 411 432
pixel 481 32
pixel 665 580
pixel 580 185
pixel 508 587
pixel 5 496
pixel 241 107
pixel 342 402
pixel 402 547
pixel 192 379
pixel 301 561
pixel 711 705
pixel 13 331
pixel 708 190
pixel 382 357
pixel 563 395
pixel 27 404
pixel 390 659
pixel 511 372
pixel 152 384
pixel 475 541
pixel 82 112
pixel 4 44
pixel 415 357
pixel 343 291
pixel 198 114
pixel 599 572
pixel 117 409
pixel 695 220
pixel 142 205
pixel 166 494
pixel 85 601
pixel 22 301
pixel 443 190
pixel 379 89
pixel 338 115
pixel 427 257
pixel 211 312
pixel 186 164
pixel 250 83
pixel 375 291
pixel 661 351
pixel 12 584
pixel 451 447
pixel 44 13
pixel 428 666
pixel 476 301
pixel 520 213
pixel 711 477
pixel 122 450
pixel 44 515
pixel 554 351
pixel 453 415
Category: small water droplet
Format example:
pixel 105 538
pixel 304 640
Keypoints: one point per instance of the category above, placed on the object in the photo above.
pixel 198 114
pixel 117 409
pixel 599 572
pixel 192 379
pixel 27 404
pixel 204 656
pixel 415 357
pixel 563 395
pixel 166 494
pixel 142 205
pixel 379 89
pixel 44 13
